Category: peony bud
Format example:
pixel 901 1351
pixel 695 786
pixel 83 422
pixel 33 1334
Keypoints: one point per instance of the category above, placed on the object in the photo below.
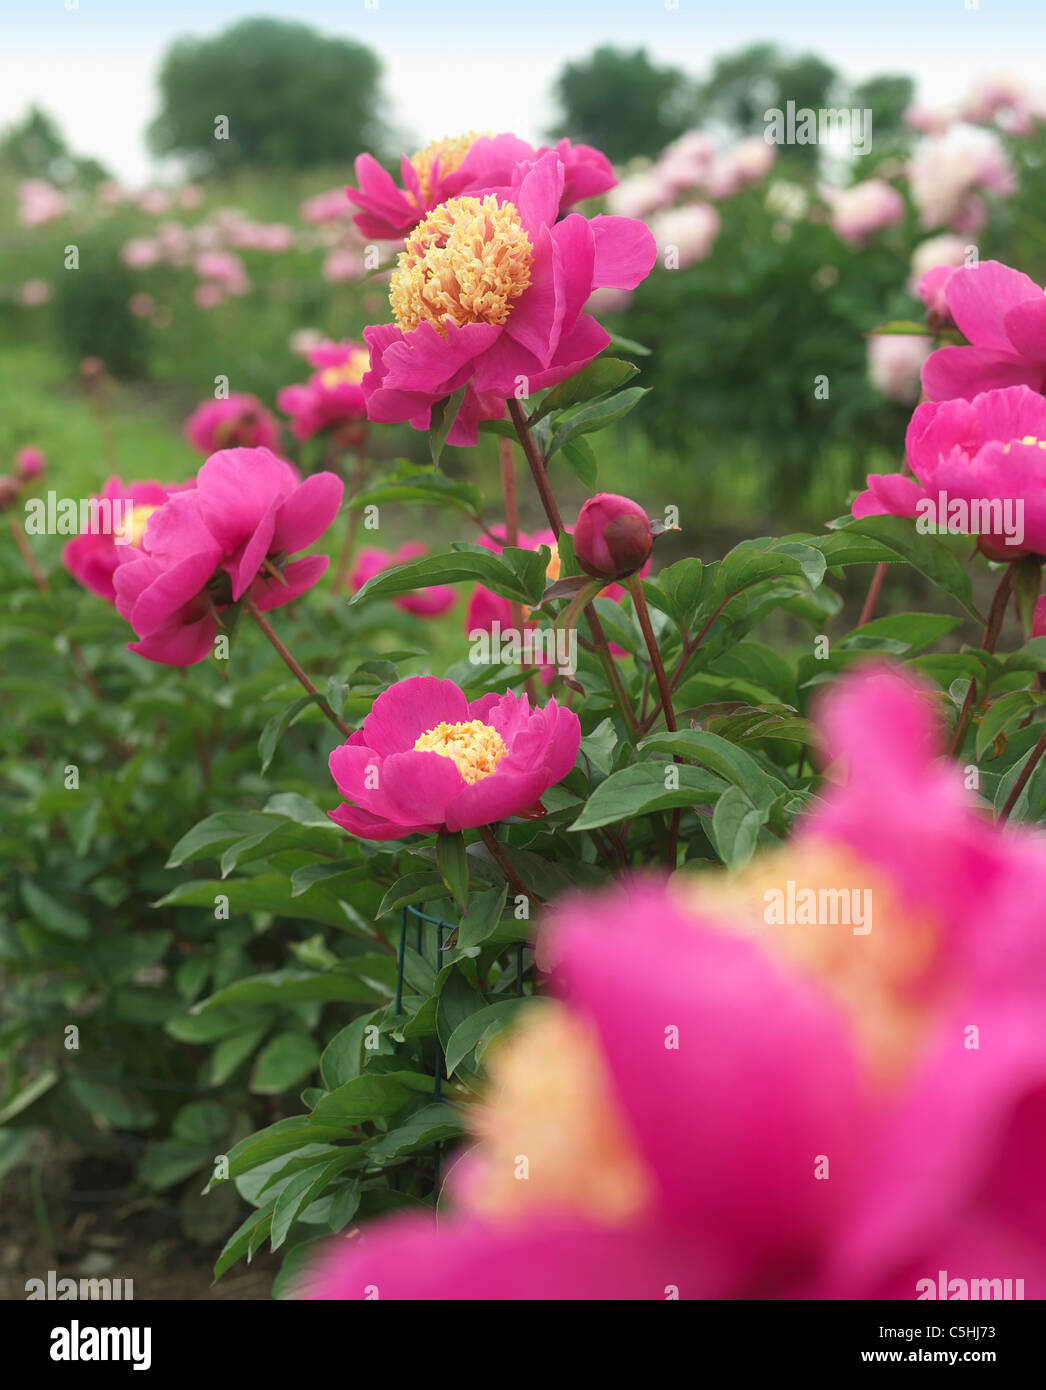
pixel 8 491
pixel 29 463
pixel 613 537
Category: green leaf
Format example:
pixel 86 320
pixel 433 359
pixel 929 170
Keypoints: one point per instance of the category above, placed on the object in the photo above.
pixel 263 893
pixel 596 416
pixel 427 1126
pixel 641 788
pixel 905 632
pixel 278 725
pixel 718 755
pixel 371 1096
pixel 930 556
pixel 453 866
pixel 482 917
pixel 302 1190
pixel 736 823
pixel 582 459
pixel 442 418
pixel 341 1057
pixel 518 575
pixel 29 1094
pixel 55 916
pixel 599 378
pixel 117 1106
pixel 284 1061
pixel 248 1235
pixel 170 1161
pixel 458 1000
pixel 13 1144
pixel 427 486
pixel 1000 715
pixel 469 1031
pixel 412 888
pixel 899 326
pixel 289 986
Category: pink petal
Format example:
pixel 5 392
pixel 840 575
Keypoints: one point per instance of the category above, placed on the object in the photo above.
pixel 625 252
pixel 307 513
pixel 980 296
pixel 410 708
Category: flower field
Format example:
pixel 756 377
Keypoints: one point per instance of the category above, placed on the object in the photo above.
pixel 524 712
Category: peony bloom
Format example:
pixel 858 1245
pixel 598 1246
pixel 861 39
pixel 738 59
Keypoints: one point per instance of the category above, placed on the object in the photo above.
pixel 743 166
pixel 333 397
pixel 612 538
pixel 990 451
pixel 946 172
pixel 332 206
pixel 93 556
pixel 472 163
pixel 728 1099
pixel 238 421
pixel 690 231
pixel 34 294
pixel 857 213
pixel 427 760
pixel 211 544
pixel 686 162
pixel 29 463
pixel 141 253
pixel 490 290
pixel 641 194
pixel 894 363
pixel 423 603
pixel 1003 315
pixel 343 263
pixel 39 202
pixel 223 270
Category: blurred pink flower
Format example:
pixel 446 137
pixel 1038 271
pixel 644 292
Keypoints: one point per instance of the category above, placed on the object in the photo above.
pixel 333 396
pixel 423 603
pixel 40 202
pixel 29 463
pixel 34 294
pixel 691 230
pixel 946 172
pixel 343 263
pixel 894 363
pixel 860 211
pixel 238 421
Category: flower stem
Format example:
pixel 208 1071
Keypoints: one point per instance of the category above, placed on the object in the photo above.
pixel 489 838
pixel 293 666
pixel 1022 781
pixel 352 521
pixel 635 588
pixel 873 594
pixel 991 636
pixel 555 521
pixel 508 492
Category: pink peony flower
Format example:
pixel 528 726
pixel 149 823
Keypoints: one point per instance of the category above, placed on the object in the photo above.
pixel 141 305
pixel 224 269
pixel 238 421
pixel 690 231
pixel 333 397
pixel 685 163
pixel 423 603
pixel 154 202
pixel 29 463
pixel 860 211
pixel 332 206
pixel 489 291
pixel 871 1111
pixel 93 556
pixel 190 196
pixel 34 293
pixel 141 253
pixel 39 202
pixel 894 362
pixel 211 544
pixel 946 172
pixel 343 263
pixel 427 760
pixel 743 166
pixel 989 450
pixel 1003 315
pixel 208 295
pixel 469 164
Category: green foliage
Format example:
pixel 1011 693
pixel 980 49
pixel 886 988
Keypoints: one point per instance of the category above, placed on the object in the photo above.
pixel 649 105
pixel 292 97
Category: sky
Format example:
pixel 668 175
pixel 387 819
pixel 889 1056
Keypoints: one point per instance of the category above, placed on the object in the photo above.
pixel 456 65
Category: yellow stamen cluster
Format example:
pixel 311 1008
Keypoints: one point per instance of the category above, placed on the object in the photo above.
pixel 1027 439
pixel 348 373
pixel 874 977
pixel 551 1133
pixel 474 747
pixel 466 263
pixel 139 518
pixel 450 151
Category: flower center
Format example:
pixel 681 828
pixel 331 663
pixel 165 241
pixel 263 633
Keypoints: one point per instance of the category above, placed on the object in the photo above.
pixel 466 262
pixel 348 373
pixel 139 517
pixel 474 747
pixel 551 1133
pixel 450 151
pixel 829 914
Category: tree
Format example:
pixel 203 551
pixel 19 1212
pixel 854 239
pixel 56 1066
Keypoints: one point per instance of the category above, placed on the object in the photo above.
pixel 622 103
pixel 887 97
pixel 288 95
pixel 33 146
